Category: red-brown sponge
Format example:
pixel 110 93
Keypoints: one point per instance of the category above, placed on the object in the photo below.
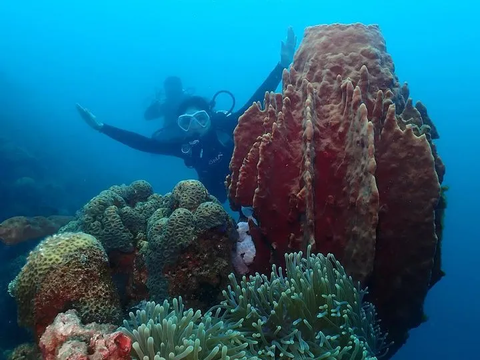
pixel 343 161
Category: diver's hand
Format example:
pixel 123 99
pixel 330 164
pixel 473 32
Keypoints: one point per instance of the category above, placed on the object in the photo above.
pixel 89 118
pixel 288 48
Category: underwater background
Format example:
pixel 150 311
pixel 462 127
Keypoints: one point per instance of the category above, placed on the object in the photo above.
pixel 112 55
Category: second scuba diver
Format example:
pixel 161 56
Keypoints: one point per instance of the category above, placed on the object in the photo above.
pixel 204 138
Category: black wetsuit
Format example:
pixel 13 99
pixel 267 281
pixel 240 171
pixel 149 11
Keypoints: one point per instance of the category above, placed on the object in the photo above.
pixel 208 155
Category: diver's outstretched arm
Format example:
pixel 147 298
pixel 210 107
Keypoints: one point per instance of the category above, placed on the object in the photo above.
pixel 89 118
pixel 140 142
pixel 131 139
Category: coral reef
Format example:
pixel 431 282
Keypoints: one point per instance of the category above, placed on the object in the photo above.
pixel 313 311
pixel 65 271
pixel 21 228
pixel 68 339
pixel 118 216
pixel 162 246
pixel 189 248
pixel 157 249
pixel 344 162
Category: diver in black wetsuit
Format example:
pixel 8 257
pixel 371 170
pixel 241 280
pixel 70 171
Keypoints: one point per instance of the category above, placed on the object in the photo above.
pixel 203 138
pixel 167 108
pixel 174 94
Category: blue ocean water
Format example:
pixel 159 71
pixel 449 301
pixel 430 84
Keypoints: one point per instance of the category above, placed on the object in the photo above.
pixel 111 55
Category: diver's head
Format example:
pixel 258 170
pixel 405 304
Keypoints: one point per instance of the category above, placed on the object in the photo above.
pixel 173 87
pixel 194 117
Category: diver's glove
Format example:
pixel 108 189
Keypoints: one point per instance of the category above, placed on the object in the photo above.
pixel 89 118
pixel 288 48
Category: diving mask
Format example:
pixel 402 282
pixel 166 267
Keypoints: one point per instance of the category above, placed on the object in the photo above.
pixel 186 121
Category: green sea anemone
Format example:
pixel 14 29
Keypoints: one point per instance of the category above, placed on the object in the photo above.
pixel 161 332
pixel 315 311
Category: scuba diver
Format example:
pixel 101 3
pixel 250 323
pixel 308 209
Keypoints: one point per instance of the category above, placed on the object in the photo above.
pixel 174 95
pixel 203 137
pixel 166 108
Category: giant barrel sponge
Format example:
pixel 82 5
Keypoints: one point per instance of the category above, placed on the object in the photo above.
pixel 343 161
